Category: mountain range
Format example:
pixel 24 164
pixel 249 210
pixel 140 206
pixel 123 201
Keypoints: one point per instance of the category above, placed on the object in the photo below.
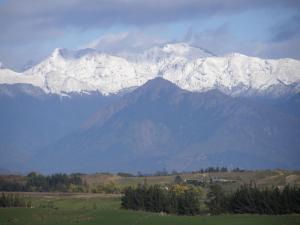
pixel 173 106
pixel 190 68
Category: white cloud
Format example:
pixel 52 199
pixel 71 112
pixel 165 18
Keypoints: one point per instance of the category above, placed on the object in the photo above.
pixel 29 28
pixel 289 48
pixel 132 41
pixel 221 41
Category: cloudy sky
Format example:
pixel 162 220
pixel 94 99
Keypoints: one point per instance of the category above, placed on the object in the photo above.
pixel 31 29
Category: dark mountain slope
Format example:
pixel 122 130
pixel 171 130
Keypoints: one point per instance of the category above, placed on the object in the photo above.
pixel 161 126
pixel 31 120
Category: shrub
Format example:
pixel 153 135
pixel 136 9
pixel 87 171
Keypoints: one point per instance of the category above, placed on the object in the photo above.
pixel 179 199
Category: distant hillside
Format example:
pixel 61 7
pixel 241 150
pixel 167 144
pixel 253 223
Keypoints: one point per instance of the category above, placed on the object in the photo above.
pixel 31 120
pixel 162 126
pixel 262 178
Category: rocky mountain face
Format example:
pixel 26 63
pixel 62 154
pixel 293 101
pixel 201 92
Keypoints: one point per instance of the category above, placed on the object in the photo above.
pixel 162 126
pixel 31 120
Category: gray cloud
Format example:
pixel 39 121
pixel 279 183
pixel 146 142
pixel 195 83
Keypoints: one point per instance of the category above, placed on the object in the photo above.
pixel 27 26
pixel 133 41
pixel 34 19
pixel 287 46
pixel 221 40
pixel 218 40
pixel 286 30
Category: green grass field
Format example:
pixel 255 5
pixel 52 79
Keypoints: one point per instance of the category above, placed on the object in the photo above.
pixel 54 208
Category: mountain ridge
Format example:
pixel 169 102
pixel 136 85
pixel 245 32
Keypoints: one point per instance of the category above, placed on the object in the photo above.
pixel 188 67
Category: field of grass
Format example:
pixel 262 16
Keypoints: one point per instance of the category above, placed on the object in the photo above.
pixel 55 208
pixel 262 178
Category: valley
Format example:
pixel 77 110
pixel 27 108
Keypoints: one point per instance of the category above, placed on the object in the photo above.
pixel 95 208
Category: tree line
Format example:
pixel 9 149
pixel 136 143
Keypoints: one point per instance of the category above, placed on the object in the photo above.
pixel 177 199
pixel 185 200
pixel 38 182
pixel 164 172
pixel 250 199
pixel 14 200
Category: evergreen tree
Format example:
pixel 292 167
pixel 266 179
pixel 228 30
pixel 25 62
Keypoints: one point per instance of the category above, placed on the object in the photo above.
pixel 178 179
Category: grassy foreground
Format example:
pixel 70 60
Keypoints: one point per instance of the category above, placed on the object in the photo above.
pixel 87 209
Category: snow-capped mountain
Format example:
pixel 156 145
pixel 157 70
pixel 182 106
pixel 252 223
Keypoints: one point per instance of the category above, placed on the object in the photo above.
pixel 188 67
pixel 166 52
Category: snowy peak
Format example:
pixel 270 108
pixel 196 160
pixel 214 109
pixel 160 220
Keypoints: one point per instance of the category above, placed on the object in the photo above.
pixel 166 52
pixel 181 50
pixel 57 52
pixel 186 50
pixel 72 54
pixel 191 68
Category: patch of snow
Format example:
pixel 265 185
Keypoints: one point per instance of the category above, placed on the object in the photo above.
pixel 189 67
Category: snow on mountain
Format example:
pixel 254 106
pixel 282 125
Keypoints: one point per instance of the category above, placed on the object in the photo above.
pixel 89 72
pixel 8 76
pixel 233 74
pixel 189 67
pixel 160 54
